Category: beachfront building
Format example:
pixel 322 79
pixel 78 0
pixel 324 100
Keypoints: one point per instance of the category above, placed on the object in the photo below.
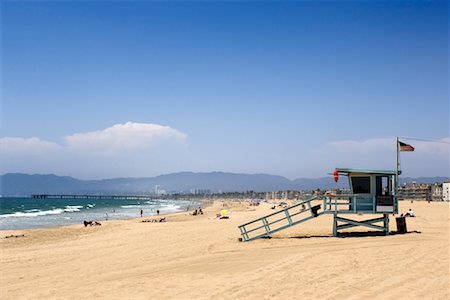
pixel 446 191
pixel 415 191
pixel 436 192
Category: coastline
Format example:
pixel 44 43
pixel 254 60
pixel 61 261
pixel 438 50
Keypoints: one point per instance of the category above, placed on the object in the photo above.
pixel 201 257
pixel 64 212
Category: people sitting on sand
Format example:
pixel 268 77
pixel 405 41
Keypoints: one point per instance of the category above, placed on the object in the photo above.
pixel 149 221
pixel 220 216
pixel 197 212
pixel 162 219
pixel 410 213
pixel 273 207
pixel 91 223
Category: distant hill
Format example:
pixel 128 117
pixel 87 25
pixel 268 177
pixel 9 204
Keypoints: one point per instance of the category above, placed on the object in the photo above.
pixel 15 184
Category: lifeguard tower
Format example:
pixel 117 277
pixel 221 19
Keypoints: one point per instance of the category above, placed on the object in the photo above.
pixel 372 192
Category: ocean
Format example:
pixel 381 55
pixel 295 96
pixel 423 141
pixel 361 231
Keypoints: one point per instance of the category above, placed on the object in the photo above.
pixel 27 212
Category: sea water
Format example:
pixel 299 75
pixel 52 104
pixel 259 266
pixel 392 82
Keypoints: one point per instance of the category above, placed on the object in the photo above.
pixel 25 213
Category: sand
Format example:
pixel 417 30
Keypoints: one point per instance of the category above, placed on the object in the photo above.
pixel 200 257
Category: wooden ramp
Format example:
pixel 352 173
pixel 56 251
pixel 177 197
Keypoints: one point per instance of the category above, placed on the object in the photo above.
pixel 280 220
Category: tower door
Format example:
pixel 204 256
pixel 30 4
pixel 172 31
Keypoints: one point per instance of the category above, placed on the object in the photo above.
pixel 384 194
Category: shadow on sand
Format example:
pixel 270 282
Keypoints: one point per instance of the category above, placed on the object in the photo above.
pixel 345 235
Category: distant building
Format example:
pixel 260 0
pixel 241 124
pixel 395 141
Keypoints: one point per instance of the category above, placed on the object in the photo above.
pixel 436 192
pixel 446 191
pixel 415 191
pixel 200 191
pixel 159 191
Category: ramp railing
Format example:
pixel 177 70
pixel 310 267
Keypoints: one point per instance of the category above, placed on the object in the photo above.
pixel 280 220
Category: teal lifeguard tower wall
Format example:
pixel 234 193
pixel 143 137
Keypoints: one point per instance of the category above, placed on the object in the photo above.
pixel 371 192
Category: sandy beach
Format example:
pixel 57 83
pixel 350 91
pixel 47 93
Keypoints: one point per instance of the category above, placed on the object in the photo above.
pixel 200 257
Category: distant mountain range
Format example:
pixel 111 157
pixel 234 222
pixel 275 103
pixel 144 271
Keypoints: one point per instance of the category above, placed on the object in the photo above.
pixel 16 184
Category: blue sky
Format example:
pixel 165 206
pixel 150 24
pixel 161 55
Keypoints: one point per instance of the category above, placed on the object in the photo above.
pixel 109 89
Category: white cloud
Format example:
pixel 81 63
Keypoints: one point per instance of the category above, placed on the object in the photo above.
pixel 130 149
pixel 34 145
pixel 128 136
pixel 429 158
pixel 440 146
pixel 371 145
pixel 139 149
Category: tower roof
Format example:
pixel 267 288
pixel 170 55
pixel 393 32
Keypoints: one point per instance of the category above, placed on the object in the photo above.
pixel 347 171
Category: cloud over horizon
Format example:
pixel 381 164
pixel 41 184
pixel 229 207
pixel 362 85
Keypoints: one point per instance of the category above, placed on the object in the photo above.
pixel 19 145
pixel 144 149
pixel 430 158
pixel 128 136
pixel 119 149
pixel 439 146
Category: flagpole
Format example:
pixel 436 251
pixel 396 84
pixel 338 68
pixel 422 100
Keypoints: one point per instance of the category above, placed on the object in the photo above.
pixel 397 168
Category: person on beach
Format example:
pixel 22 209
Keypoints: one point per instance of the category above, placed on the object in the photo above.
pixel 142 212
pixel 106 216
pixel 157 212
pixel 410 213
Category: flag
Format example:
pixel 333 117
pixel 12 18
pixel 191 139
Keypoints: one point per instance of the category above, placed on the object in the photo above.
pixel 405 147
